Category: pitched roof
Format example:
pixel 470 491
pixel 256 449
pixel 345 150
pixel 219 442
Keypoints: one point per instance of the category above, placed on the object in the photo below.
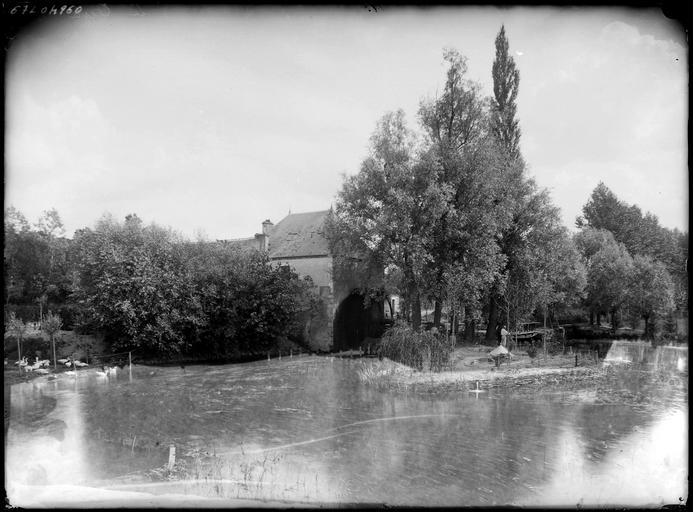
pixel 241 243
pixel 299 235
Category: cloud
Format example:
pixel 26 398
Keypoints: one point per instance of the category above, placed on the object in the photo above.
pixel 56 153
pixel 619 33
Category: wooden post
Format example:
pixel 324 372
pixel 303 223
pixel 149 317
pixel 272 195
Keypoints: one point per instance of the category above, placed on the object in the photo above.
pixel 268 357
pixel 452 327
pixel 544 316
pixel 171 456
pixel 130 364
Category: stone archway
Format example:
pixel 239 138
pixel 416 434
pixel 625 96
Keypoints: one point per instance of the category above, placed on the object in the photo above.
pixel 353 323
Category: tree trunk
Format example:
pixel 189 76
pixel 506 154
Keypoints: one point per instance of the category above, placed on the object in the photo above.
pixel 437 313
pixel 453 322
pixel 599 319
pixel 649 331
pixel 591 317
pixel 492 319
pixel 415 301
pixel 456 325
pixel 55 361
pixel 404 309
pixel 469 330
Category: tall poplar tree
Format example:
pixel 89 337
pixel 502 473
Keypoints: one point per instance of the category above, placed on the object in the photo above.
pixel 506 130
pixel 506 83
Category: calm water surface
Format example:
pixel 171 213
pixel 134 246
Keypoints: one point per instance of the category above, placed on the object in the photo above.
pixel 306 429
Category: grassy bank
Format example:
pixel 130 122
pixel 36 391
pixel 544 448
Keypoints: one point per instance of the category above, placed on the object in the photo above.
pixel 470 365
pixel 589 382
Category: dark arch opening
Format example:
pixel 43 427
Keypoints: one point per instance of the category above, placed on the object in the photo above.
pixel 353 323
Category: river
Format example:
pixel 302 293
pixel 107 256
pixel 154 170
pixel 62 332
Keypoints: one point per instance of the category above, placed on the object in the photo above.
pixel 307 430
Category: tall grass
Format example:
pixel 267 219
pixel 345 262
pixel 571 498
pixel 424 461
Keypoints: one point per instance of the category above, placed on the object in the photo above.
pixel 264 477
pixel 417 349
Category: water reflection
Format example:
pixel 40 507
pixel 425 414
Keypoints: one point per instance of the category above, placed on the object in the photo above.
pixel 646 467
pixel 45 439
pixel 306 429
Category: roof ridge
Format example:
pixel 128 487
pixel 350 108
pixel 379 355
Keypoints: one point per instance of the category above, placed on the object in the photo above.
pixel 308 213
pixel 235 239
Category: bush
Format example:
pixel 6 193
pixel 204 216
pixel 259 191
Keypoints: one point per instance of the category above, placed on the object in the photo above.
pixel 416 349
pixel 32 346
pixel 26 312
pixel 69 313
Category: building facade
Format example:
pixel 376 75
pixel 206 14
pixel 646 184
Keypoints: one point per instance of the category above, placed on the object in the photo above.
pixel 298 241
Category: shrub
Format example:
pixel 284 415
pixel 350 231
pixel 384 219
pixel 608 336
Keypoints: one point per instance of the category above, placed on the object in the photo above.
pixel 403 344
pixel 32 346
pixel 27 312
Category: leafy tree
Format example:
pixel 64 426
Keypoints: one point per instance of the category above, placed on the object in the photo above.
pixel 590 241
pixel 15 221
pixel 134 285
pixel 641 234
pixel 384 215
pixel 609 272
pixel 651 292
pixel 517 191
pixel 249 304
pixel 506 83
pixel 544 269
pixel 602 211
pixel 27 267
pixel 36 262
pixel 17 328
pixel 50 223
pixel 461 156
pixel 51 325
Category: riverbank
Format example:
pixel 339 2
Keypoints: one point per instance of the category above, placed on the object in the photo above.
pixel 13 375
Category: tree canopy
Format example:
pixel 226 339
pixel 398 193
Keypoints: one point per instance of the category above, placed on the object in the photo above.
pixel 449 215
pixel 641 235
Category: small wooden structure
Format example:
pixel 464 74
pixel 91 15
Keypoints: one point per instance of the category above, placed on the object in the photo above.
pixel 531 332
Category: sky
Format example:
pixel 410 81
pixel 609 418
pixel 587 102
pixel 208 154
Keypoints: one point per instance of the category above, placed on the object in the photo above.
pixel 211 120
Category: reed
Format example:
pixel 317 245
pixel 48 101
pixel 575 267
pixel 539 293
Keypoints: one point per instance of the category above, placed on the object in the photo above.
pixel 417 349
pixel 245 477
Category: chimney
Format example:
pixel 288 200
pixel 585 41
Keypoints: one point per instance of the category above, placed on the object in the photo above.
pixel 263 238
pixel 266 225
